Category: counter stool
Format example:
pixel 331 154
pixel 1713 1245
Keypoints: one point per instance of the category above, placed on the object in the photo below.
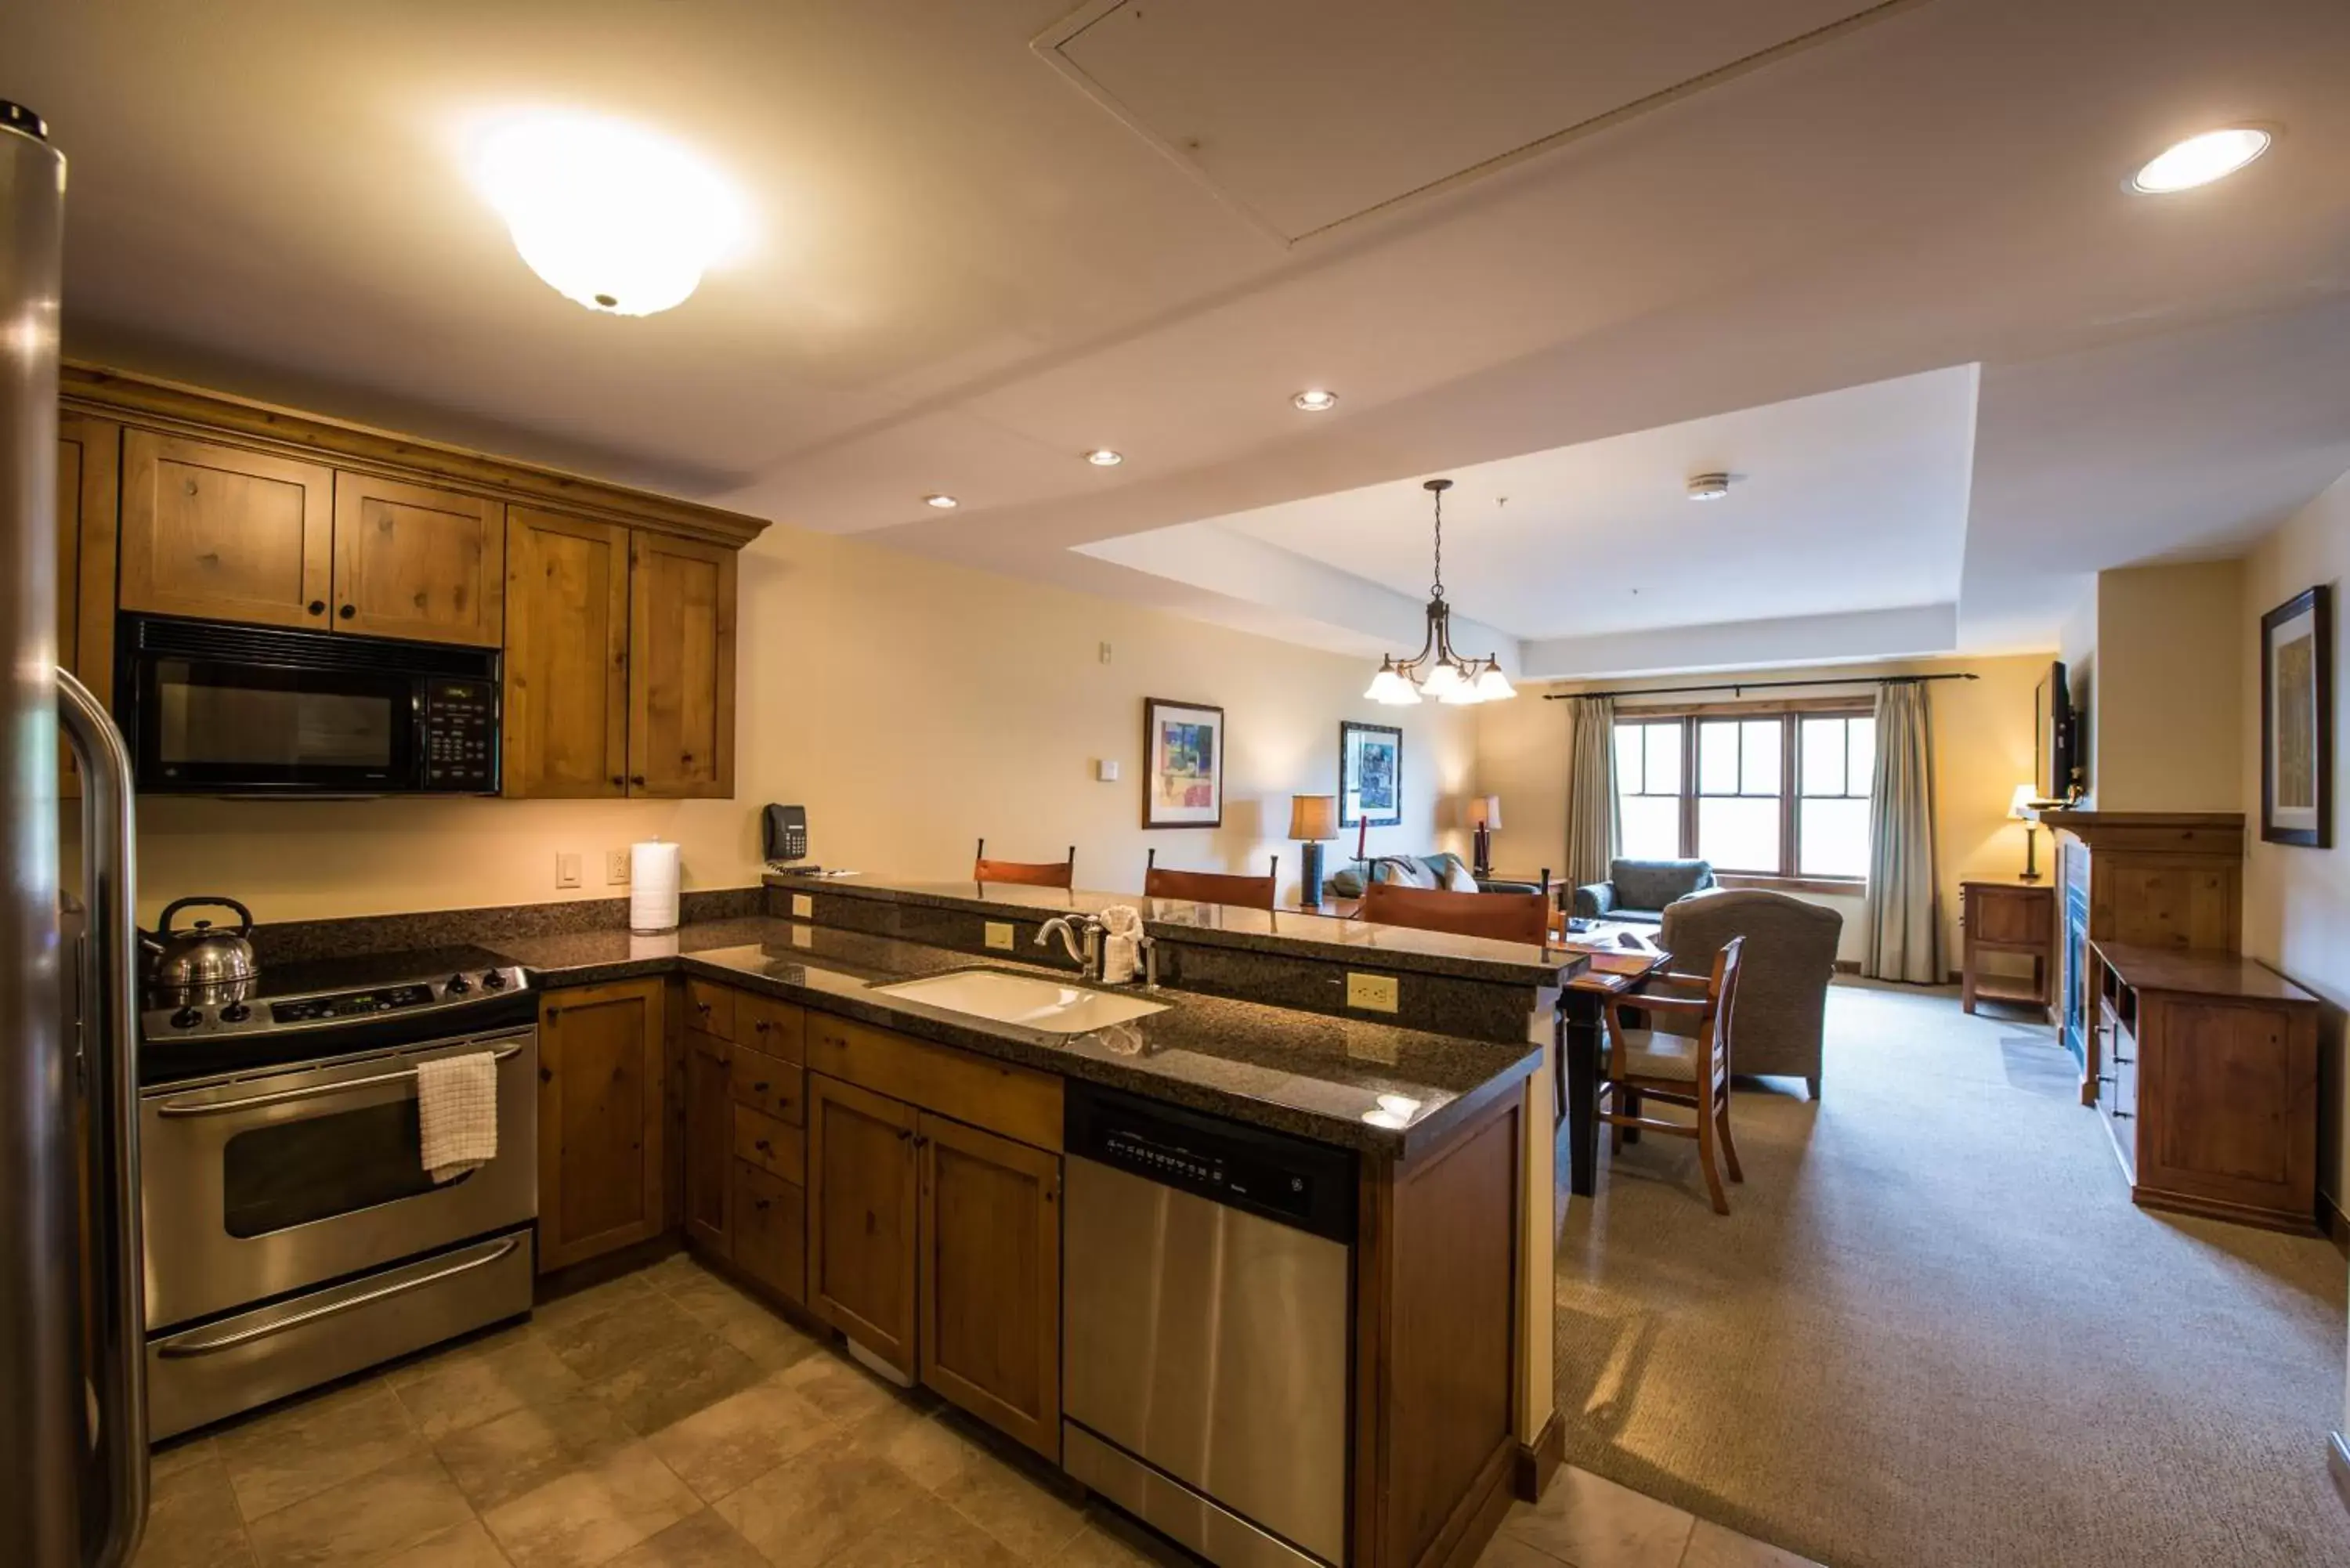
pixel 1034 873
pixel 1689 1069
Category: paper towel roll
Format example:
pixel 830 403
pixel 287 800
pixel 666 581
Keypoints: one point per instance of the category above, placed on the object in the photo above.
pixel 652 888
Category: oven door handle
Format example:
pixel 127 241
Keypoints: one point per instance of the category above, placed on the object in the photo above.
pixel 315 1091
pixel 177 1349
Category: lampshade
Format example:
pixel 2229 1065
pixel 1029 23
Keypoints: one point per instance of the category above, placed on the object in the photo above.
pixel 1485 812
pixel 1313 817
pixel 2020 807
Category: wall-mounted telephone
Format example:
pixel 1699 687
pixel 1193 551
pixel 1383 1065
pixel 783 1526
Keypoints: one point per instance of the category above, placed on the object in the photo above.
pixel 783 832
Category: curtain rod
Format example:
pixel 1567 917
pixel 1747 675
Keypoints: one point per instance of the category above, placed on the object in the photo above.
pixel 1739 688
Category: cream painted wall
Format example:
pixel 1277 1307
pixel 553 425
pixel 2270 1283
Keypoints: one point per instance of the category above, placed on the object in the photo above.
pixel 911 706
pixel 2170 651
pixel 1982 750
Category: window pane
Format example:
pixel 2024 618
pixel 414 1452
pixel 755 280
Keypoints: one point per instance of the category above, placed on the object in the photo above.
pixel 1664 741
pixel 1834 838
pixel 1821 755
pixel 1627 758
pixel 1863 757
pixel 1758 767
pixel 1717 756
pixel 1652 828
pixel 1739 834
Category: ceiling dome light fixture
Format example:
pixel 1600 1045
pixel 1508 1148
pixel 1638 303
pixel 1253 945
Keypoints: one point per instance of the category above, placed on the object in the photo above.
pixel 1707 486
pixel 943 503
pixel 1315 399
pixel 616 217
pixel 1102 457
pixel 2200 159
pixel 1449 678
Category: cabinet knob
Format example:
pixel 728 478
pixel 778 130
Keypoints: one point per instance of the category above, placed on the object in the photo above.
pixel 638 780
pixel 347 612
pixel 617 782
pixel 763 1146
pixel 760 1088
pixel 2121 1115
pixel 191 487
pixel 318 607
pixel 760 1204
pixel 703 1006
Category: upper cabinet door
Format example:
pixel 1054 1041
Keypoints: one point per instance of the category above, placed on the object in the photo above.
pixel 681 669
pixel 418 562
pixel 567 665
pixel 223 533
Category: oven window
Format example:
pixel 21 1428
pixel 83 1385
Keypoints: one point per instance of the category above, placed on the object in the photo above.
pixel 294 1172
pixel 211 715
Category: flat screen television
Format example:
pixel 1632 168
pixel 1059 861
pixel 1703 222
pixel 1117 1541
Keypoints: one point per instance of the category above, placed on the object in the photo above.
pixel 2056 770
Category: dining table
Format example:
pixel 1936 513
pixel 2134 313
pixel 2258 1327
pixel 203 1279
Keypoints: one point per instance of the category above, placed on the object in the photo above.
pixel 1624 959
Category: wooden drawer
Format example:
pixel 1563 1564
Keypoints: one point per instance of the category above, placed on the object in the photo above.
pixel 778 1028
pixel 2121 1107
pixel 710 1007
pixel 771 1231
pixel 997 1095
pixel 769 1084
pixel 779 1146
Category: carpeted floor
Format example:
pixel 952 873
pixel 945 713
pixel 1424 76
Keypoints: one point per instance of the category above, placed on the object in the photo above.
pixel 1934 1331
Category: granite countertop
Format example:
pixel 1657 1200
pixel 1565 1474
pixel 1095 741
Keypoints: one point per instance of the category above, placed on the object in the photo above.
pixel 1289 931
pixel 1367 1085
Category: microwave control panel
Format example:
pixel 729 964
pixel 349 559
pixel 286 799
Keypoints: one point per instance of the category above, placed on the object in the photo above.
pixel 461 735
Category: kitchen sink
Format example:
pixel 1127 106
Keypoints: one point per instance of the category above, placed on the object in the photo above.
pixel 1031 1002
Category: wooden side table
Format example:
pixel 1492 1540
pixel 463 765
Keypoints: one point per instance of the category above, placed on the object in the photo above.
pixel 2004 915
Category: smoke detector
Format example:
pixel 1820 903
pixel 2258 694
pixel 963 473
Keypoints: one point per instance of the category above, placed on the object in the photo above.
pixel 1707 486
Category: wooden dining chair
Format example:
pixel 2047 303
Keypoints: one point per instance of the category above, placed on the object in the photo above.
pixel 1211 887
pixel 1689 1068
pixel 1504 917
pixel 1034 873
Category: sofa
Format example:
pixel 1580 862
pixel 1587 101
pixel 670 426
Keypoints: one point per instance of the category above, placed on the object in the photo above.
pixel 1636 891
pixel 1776 1021
pixel 1443 870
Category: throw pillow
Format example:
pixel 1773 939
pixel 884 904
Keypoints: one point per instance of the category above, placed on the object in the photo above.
pixel 1402 871
pixel 1459 879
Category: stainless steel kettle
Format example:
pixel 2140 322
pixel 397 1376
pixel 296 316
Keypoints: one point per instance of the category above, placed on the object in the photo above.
pixel 202 963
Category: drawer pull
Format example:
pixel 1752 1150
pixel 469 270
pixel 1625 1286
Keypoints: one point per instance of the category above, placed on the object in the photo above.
pixel 763 1146
pixel 760 1088
pixel 2122 1061
pixel 760 1204
pixel 2121 1115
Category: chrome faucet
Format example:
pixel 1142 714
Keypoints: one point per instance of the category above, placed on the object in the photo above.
pixel 1089 956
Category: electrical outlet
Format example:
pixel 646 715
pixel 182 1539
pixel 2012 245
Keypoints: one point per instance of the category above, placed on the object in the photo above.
pixel 802 937
pixel 566 869
pixel 803 907
pixel 616 867
pixel 1372 993
pixel 999 936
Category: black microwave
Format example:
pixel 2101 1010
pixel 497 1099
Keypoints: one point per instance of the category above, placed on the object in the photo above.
pixel 210 708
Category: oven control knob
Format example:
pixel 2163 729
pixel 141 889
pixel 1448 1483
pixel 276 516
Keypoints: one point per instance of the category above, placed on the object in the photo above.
pixel 494 980
pixel 235 1013
pixel 458 985
pixel 186 1018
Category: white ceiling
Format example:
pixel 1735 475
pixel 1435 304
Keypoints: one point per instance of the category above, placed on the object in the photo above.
pixel 967 270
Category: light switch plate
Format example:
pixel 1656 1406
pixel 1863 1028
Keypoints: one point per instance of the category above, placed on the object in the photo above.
pixel 616 867
pixel 803 907
pixel 999 935
pixel 1372 993
pixel 567 869
pixel 1106 769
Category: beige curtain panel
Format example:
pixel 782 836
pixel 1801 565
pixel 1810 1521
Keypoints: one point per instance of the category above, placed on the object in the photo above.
pixel 1900 919
pixel 1591 829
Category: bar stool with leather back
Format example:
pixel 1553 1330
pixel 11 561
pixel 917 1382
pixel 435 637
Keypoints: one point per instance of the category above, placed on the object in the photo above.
pixel 1681 1066
pixel 1504 917
pixel 1034 873
pixel 1209 886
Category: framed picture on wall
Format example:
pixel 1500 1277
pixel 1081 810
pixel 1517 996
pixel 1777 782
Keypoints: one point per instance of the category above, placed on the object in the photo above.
pixel 1183 765
pixel 1370 774
pixel 2297 720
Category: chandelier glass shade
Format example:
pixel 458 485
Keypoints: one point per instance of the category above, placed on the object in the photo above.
pixel 1436 671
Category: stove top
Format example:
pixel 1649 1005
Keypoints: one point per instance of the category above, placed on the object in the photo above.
pixel 331 1007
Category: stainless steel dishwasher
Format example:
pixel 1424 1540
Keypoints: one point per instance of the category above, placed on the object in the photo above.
pixel 1207 1309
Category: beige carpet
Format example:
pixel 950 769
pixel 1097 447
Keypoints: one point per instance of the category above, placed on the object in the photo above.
pixel 1934 1331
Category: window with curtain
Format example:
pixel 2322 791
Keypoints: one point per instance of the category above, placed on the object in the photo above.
pixel 1764 795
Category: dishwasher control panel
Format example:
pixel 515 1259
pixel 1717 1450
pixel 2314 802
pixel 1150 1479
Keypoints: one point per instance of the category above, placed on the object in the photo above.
pixel 1292 1179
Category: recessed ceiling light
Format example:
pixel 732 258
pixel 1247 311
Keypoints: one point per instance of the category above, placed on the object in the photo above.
pixel 611 215
pixel 943 503
pixel 1102 457
pixel 1707 486
pixel 2200 160
pixel 1313 399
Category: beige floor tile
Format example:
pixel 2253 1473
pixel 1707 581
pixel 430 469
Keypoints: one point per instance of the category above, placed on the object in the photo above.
pixel 524 1450
pixel 594 1302
pixel 808 1508
pixel 840 1388
pixel 1013 1507
pixel 932 1452
pixel 592 1514
pixel 176 1458
pixel 1506 1551
pixel 191 1518
pixel 303 1450
pixel 598 1345
pixel 927 1534
pixel 1595 1523
pixel 1712 1546
pixel 740 1437
pixel 1102 1544
pixel 467 1545
pixel 678 1268
pixel 748 1325
pixel 670 1382
pixel 363 1521
pixel 703 1540
pixel 467 1386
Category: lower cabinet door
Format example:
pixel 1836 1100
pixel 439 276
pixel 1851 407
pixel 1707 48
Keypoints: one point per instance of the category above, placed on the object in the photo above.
pixel 709 1136
pixel 861 1217
pixel 991 1279
pixel 771 1231
pixel 602 1097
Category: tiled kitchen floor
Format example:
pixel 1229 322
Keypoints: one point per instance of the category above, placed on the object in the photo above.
pixel 666 1420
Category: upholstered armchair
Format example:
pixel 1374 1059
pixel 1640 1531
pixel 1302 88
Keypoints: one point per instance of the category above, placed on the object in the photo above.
pixel 1776 1022
pixel 1636 891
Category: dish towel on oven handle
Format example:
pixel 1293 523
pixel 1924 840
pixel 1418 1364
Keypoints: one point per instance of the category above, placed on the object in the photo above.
pixel 457 1111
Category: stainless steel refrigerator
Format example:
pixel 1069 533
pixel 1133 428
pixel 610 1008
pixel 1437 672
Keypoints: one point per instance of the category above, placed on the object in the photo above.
pixel 73 1424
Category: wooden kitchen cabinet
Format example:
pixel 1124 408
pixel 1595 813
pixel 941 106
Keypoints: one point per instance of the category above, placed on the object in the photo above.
pixel 567 665
pixel 771 1231
pixel 989 1278
pixel 418 562
pixel 709 1155
pixel 601 1106
pixel 863 1196
pixel 225 532
pixel 681 668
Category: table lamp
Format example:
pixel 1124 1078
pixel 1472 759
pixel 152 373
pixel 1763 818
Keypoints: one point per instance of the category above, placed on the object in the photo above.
pixel 1486 816
pixel 1313 819
pixel 2022 808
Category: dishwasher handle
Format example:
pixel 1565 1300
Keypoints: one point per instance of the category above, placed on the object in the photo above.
pixel 1290 1180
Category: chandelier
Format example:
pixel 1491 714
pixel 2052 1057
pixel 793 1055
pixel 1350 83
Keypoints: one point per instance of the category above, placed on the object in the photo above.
pixel 1436 670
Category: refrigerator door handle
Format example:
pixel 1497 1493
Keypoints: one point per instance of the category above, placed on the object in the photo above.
pixel 118 1363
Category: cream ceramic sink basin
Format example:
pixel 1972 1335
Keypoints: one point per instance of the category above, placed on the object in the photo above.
pixel 1028 1000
